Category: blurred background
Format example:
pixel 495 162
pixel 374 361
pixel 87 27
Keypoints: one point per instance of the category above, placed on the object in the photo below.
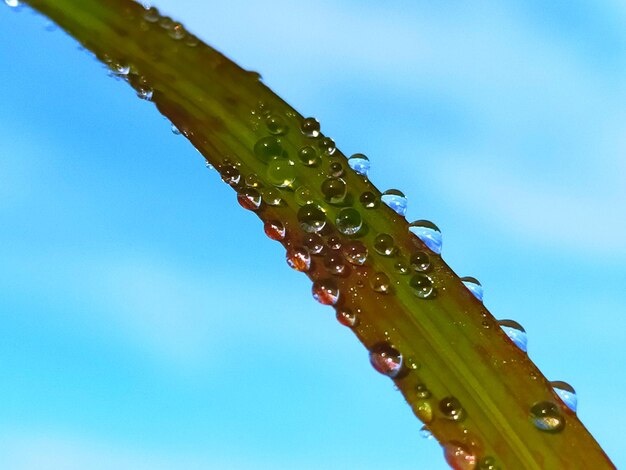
pixel 146 321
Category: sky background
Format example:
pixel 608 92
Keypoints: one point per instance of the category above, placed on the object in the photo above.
pixel 146 321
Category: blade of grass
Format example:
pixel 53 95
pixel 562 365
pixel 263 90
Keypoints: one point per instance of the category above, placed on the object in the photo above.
pixel 451 345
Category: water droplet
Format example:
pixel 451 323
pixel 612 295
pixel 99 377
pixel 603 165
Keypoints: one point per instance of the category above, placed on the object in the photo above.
pixel 303 196
pixel 267 148
pixel 298 258
pixel 281 172
pixel 516 333
pixel 346 317
pixel 384 245
pixel 312 218
pixel 325 292
pixel 566 393
pixel 121 69
pixel 349 221
pixel 359 163
pixel 176 31
pixel 335 169
pixel 272 196
pixel 209 166
pixel 193 41
pixel 423 286
pixel 396 200
pixel 386 359
pixel 423 410
pixel 335 264
pixel 308 156
pixel 310 127
pixel 369 200
pixel 546 416
pixel 380 283
pixel 334 242
pixel 334 190
pixel 473 286
pixel 458 456
pixel 420 261
pixel 12 3
pixel 249 198
pixel 230 174
pixel 314 243
pixel 429 233
pixel 451 409
pixel 144 92
pixel 253 180
pixel 327 146
pixel 355 252
pixel 421 391
pixel 487 463
pixel 425 432
pixel 401 268
pixel 151 15
pixel 274 229
pixel 175 130
pixel 276 124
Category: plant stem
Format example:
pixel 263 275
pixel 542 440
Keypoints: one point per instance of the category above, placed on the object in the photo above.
pixel 451 345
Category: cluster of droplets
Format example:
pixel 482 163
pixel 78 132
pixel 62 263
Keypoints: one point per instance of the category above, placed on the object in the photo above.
pixel 339 256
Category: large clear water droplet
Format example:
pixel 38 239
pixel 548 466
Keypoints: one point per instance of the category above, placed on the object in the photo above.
pixel 325 291
pixel 384 245
pixel 268 148
pixel 281 172
pixel 516 333
pixel 355 252
pixel 473 286
pixel 276 124
pixel 249 198
pixel 347 317
pixel 459 456
pixel 314 243
pixel 423 286
pixel 12 3
pixel 566 393
pixel 327 146
pixel 546 416
pixel 298 258
pixel 369 200
pixel 420 261
pixel 380 283
pixel 396 200
pixel 175 130
pixel 386 359
pixel 335 169
pixel 308 156
pixel 312 219
pixel 335 264
pixel 451 409
pixel 429 233
pixel 310 127
pixel 274 229
pixel 272 196
pixel 349 221
pixel 334 190
pixel 359 163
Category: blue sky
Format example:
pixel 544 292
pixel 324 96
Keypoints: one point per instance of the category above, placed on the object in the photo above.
pixel 126 341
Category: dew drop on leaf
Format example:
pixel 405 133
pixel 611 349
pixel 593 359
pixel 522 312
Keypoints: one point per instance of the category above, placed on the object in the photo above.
pixel 396 200
pixel 386 359
pixel 325 291
pixel 515 332
pixel 474 286
pixel 429 233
